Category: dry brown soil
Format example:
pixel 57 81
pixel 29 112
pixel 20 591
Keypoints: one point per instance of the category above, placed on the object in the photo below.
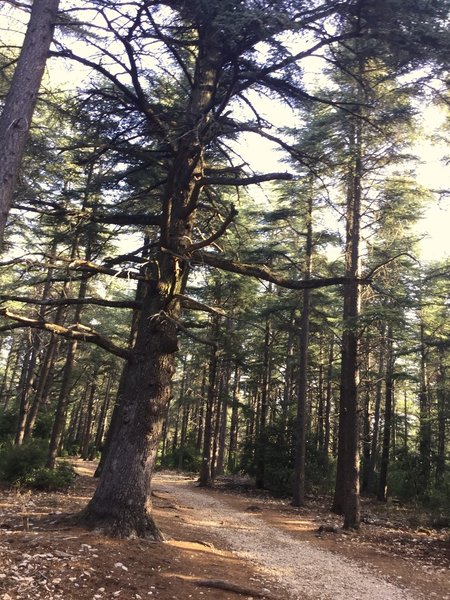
pixel 42 559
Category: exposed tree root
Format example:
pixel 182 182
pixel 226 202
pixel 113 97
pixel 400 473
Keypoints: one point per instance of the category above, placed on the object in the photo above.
pixel 123 528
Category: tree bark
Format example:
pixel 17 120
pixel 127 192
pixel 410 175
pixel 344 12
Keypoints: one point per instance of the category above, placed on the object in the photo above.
pixel 122 502
pixel 302 381
pixel 205 477
pixel 385 452
pixel 346 498
pixel 15 119
pixel 260 451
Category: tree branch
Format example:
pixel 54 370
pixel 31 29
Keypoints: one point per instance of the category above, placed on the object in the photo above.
pixel 191 304
pixel 72 301
pixel 264 273
pixel 212 238
pixel 246 180
pixel 127 219
pixel 75 332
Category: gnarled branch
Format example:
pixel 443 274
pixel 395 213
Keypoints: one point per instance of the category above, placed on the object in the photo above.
pixel 266 274
pixel 75 332
pixel 72 301
pixel 212 238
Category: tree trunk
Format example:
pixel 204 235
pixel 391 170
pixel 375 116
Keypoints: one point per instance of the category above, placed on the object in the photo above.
pixel 15 119
pixel 121 504
pixel 376 415
pixel 382 484
pixel 424 417
pixel 223 417
pixel 328 400
pixel 205 477
pixel 25 383
pixel 232 450
pixel 302 381
pixel 260 450
pixel 346 498
pixel 442 415
pixel 86 439
pixel 101 424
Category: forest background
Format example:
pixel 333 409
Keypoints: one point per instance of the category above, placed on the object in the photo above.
pixel 159 283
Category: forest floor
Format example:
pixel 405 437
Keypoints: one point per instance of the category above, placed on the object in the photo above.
pixel 222 544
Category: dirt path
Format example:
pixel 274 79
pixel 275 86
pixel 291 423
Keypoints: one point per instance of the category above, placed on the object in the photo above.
pixel 302 570
pixel 258 546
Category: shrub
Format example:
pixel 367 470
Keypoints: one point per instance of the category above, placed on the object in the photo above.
pixel 25 465
pixel 190 458
pixel 51 480
pixel 17 462
pixel 8 425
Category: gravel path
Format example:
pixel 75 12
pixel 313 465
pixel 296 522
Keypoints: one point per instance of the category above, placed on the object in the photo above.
pixel 303 571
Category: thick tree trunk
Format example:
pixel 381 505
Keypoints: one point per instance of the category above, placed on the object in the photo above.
pixel 15 119
pixel 122 504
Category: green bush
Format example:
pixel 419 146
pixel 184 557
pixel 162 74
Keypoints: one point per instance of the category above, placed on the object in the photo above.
pixel 25 465
pixel 190 459
pixel 8 425
pixel 51 480
pixel 17 462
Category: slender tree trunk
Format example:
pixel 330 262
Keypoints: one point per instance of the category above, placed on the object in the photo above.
pixel 264 405
pixel 442 415
pixel 4 390
pixel 60 415
pixel 376 415
pixel 43 378
pixel 102 418
pixel 302 382
pixel 288 386
pixel 25 384
pixel 15 119
pixel 346 498
pixel 329 398
pixel 385 452
pixel 182 411
pixel 86 441
pixel 232 451
pixel 217 413
pixel 201 410
pixel 366 439
pixel 223 417
pixel 205 478
pixel 425 417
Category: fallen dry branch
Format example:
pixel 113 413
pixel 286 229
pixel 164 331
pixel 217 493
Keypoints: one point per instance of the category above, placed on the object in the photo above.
pixel 229 586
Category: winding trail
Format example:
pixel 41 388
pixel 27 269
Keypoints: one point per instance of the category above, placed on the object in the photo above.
pixel 303 571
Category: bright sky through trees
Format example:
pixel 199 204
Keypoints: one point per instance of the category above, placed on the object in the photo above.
pixel 432 172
